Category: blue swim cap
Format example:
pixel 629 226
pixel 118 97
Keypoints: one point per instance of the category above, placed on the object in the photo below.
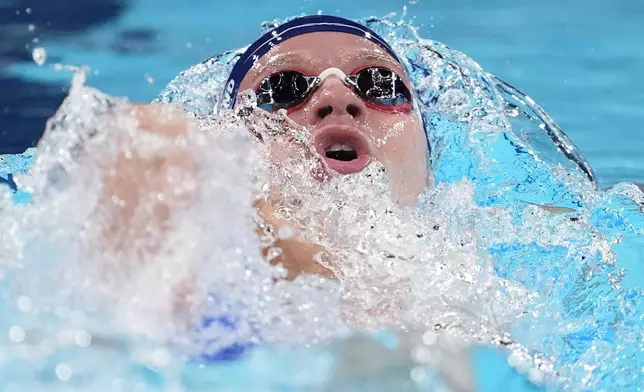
pixel 293 28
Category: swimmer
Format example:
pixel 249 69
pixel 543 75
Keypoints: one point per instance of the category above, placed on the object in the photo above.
pixel 334 77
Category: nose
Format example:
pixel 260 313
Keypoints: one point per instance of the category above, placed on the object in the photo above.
pixel 335 98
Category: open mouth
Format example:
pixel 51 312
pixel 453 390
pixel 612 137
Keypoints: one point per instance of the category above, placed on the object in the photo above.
pixel 341 152
pixel 345 150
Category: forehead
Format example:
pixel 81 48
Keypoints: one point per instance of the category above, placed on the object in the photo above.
pixel 329 46
pixel 315 52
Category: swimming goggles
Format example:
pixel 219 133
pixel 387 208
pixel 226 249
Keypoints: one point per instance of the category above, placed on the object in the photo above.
pixel 378 87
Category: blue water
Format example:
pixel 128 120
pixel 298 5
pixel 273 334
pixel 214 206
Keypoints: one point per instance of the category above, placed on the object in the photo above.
pixel 581 60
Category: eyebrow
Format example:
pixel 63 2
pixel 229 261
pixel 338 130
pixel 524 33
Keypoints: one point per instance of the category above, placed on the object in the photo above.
pixel 291 57
pixel 301 57
pixel 370 55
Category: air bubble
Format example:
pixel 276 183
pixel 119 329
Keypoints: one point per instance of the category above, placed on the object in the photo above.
pixel 63 372
pixel 25 304
pixel 83 338
pixel 418 374
pixel 430 337
pixel 39 55
pixel 16 334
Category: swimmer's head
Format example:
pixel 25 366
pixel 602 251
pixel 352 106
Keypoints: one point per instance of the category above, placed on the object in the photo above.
pixel 346 84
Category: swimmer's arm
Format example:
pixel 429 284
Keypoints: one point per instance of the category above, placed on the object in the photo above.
pixel 131 227
pixel 131 222
pixel 127 201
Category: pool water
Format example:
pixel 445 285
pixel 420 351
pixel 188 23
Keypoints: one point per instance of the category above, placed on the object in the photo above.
pixel 589 287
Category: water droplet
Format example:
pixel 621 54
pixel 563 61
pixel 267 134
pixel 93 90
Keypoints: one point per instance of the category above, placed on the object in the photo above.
pixel 64 372
pixel 25 304
pixel 418 374
pixel 422 354
pixel 149 78
pixel 430 338
pixel 536 376
pixel 16 334
pixel 285 232
pixel 31 27
pixel 83 338
pixel 39 55
pixel 28 10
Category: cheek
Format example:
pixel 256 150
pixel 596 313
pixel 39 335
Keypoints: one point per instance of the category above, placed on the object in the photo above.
pixel 403 152
pixel 398 129
pixel 299 116
pixel 400 144
pixel 305 113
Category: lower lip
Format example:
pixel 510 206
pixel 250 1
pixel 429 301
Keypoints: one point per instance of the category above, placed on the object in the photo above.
pixel 348 167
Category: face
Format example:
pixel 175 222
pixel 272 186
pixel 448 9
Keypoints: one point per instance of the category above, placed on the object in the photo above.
pixel 349 130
